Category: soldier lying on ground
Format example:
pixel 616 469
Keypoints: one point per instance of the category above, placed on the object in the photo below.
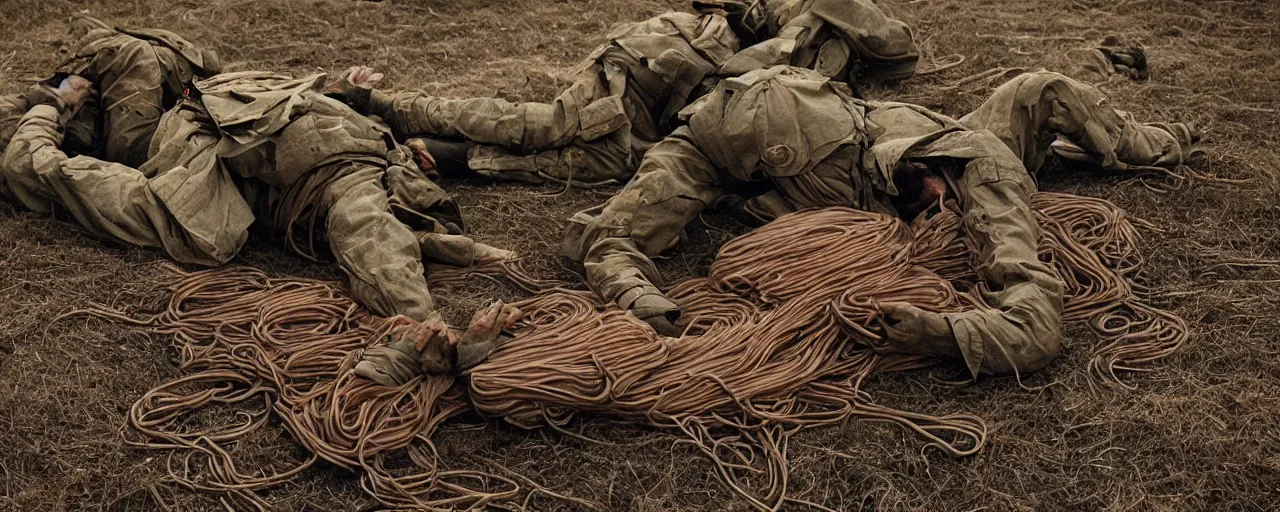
pixel 139 74
pixel 246 147
pixel 626 94
pixel 807 142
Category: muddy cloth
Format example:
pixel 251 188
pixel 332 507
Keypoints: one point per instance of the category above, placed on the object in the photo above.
pixel 628 91
pixel 1036 113
pixel 249 146
pixel 849 40
pixel 621 102
pixel 811 144
pixel 139 74
pixel 12 108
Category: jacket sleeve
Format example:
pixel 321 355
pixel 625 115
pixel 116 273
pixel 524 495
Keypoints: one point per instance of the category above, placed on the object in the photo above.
pixel 119 203
pixel 31 155
pixel 380 255
pixel 1021 330
pixel 615 241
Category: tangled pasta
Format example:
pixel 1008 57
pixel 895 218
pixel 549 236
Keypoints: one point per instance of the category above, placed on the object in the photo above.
pixel 776 343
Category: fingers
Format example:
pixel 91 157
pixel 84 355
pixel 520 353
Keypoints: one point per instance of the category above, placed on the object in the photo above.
pixel 78 82
pixel 74 90
pixel 486 316
pixel 897 311
pixel 365 77
pixel 509 316
pixel 484 335
pixel 426 162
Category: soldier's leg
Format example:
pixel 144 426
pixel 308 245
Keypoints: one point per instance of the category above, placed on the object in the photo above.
pixel 379 254
pixel 1021 331
pixel 1032 110
pixel 604 161
pixel 615 241
pixel 130 78
pixel 587 110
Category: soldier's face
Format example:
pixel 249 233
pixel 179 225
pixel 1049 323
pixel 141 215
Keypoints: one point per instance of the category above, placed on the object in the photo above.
pixel 920 186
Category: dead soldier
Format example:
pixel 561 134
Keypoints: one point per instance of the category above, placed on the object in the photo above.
pixel 246 147
pixel 627 92
pixel 139 74
pixel 808 142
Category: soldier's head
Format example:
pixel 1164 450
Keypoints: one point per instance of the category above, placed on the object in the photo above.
pixel 921 184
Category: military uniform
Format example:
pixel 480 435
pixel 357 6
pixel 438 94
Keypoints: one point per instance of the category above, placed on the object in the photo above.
pixel 248 147
pixel 848 40
pixel 1043 112
pixel 814 145
pixel 620 103
pixel 139 74
pixel 12 108
pixel 627 92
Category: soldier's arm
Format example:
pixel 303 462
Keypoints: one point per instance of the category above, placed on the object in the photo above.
pixel 1021 329
pixel 775 51
pixel 615 242
pixel 32 152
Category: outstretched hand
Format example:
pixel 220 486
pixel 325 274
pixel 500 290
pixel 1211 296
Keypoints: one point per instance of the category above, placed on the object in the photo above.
pixel 911 330
pixel 364 77
pixel 356 77
pixel 485 333
pixel 354 87
pixel 74 91
pixel 425 161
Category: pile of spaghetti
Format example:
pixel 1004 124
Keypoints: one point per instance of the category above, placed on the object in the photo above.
pixel 777 342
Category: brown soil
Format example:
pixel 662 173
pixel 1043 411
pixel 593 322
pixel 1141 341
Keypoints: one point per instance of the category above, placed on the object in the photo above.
pixel 1198 432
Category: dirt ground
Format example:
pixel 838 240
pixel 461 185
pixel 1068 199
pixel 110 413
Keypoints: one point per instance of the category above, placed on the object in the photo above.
pixel 1198 432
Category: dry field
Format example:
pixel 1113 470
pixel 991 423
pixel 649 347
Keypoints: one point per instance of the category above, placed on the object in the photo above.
pixel 1201 431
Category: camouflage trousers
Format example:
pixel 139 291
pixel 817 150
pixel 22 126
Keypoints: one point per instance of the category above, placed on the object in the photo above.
pixel 1040 113
pixel 198 213
pixel 594 131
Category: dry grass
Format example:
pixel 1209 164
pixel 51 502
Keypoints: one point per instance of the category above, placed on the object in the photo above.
pixel 1199 432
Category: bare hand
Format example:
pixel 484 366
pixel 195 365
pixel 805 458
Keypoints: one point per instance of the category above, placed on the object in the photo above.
pixel 363 77
pixel 911 330
pixel 425 161
pixel 484 334
pixel 74 91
